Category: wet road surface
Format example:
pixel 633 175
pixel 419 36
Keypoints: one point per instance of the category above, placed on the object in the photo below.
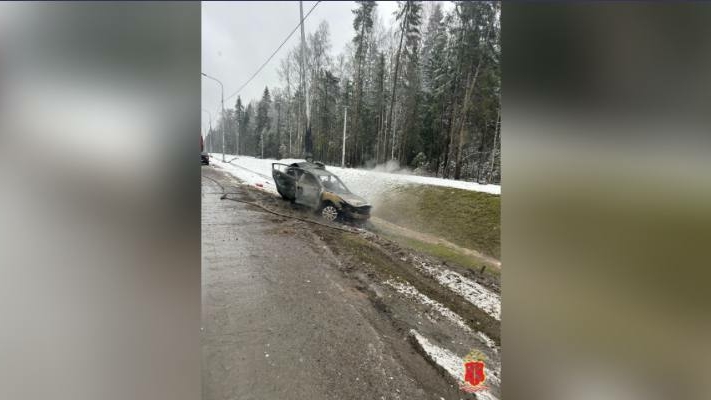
pixel 279 320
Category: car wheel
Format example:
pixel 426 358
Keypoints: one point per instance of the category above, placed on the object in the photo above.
pixel 329 212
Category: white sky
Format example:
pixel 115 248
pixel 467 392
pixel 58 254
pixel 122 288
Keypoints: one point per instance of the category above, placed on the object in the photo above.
pixel 237 37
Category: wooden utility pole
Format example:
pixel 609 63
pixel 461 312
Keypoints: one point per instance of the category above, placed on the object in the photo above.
pixel 237 133
pixel 304 85
pixel 343 150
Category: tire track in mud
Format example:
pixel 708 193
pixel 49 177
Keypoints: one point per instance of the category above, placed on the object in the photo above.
pixel 445 359
pixel 375 261
pixel 475 293
pixel 410 292
pixel 371 276
pixel 450 365
pixel 380 265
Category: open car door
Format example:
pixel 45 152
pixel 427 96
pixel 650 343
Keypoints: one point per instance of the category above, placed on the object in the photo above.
pixel 285 178
pixel 308 190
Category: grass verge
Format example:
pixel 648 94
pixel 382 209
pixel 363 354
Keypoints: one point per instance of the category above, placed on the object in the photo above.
pixel 444 253
pixel 466 218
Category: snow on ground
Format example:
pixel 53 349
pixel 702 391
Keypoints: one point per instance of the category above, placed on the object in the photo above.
pixel 248 176
pixel 478 295
pixel 367 183
pixel 410 291
pixel 451 363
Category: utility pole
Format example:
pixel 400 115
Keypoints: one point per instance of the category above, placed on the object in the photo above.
pixel 222 104
pixel 209 131
pixel 304 88
pixel 343 153
pixel 237 133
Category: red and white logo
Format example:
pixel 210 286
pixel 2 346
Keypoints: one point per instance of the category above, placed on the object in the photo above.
pixel 474 373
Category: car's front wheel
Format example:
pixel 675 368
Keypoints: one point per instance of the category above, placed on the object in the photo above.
pixel 329 212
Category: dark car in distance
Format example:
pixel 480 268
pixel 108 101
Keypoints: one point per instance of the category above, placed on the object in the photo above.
pixel 204 158
pixel 311 185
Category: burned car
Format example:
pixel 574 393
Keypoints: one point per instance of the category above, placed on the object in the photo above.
pixel 311 185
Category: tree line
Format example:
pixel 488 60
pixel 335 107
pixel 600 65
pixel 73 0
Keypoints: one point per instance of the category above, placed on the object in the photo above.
pixel 424 92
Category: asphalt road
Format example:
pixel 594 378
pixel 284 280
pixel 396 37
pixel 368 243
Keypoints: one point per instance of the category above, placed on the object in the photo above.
pixel 280 320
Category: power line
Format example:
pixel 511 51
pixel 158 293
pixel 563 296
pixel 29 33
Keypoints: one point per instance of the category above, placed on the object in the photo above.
pixel 273 54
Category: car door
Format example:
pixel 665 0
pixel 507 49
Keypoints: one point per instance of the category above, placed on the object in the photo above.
pixel 284 178
pixel 308 190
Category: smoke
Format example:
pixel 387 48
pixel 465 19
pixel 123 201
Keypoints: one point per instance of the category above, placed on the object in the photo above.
pixel 391 166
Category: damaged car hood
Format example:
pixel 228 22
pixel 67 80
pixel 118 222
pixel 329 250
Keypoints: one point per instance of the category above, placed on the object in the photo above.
pixel 354 200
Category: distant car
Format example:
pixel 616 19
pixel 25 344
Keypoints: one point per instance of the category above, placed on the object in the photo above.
pixel 204 158
pixel 311 185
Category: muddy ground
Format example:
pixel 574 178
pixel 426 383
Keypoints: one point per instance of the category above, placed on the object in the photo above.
pixel 294 307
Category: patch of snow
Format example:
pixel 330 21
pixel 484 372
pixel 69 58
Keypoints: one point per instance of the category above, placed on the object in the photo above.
pixel 485 395
pixel 478 295
pixel 368 183
pixel 412 292
pixel 246 175
pixel 451 363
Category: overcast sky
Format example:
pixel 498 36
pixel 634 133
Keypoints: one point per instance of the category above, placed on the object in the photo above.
pixel 237 37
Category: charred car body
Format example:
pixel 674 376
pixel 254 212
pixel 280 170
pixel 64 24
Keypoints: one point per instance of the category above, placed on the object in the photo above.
pixel 311 185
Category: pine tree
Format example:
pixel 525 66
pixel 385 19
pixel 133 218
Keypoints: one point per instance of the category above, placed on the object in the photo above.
pixel 363 25
pixel 409 17
pixel 477 22
pixel 411 82
pixel 249 142
pixel 238 115
pixel 263 120
pixel 434 86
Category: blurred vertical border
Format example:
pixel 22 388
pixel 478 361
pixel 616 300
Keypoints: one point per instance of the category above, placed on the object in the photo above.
pixel 99 124
pixel 606 200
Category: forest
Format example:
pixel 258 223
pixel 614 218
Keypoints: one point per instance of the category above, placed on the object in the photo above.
pixel 422 94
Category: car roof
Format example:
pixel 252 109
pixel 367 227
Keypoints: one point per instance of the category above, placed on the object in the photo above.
pixel 316 169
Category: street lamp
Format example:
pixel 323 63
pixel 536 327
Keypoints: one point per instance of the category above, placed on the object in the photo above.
pixel 222 102
pixel 209 115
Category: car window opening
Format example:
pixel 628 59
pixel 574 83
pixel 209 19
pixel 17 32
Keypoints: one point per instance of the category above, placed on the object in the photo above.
pixel 333 184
